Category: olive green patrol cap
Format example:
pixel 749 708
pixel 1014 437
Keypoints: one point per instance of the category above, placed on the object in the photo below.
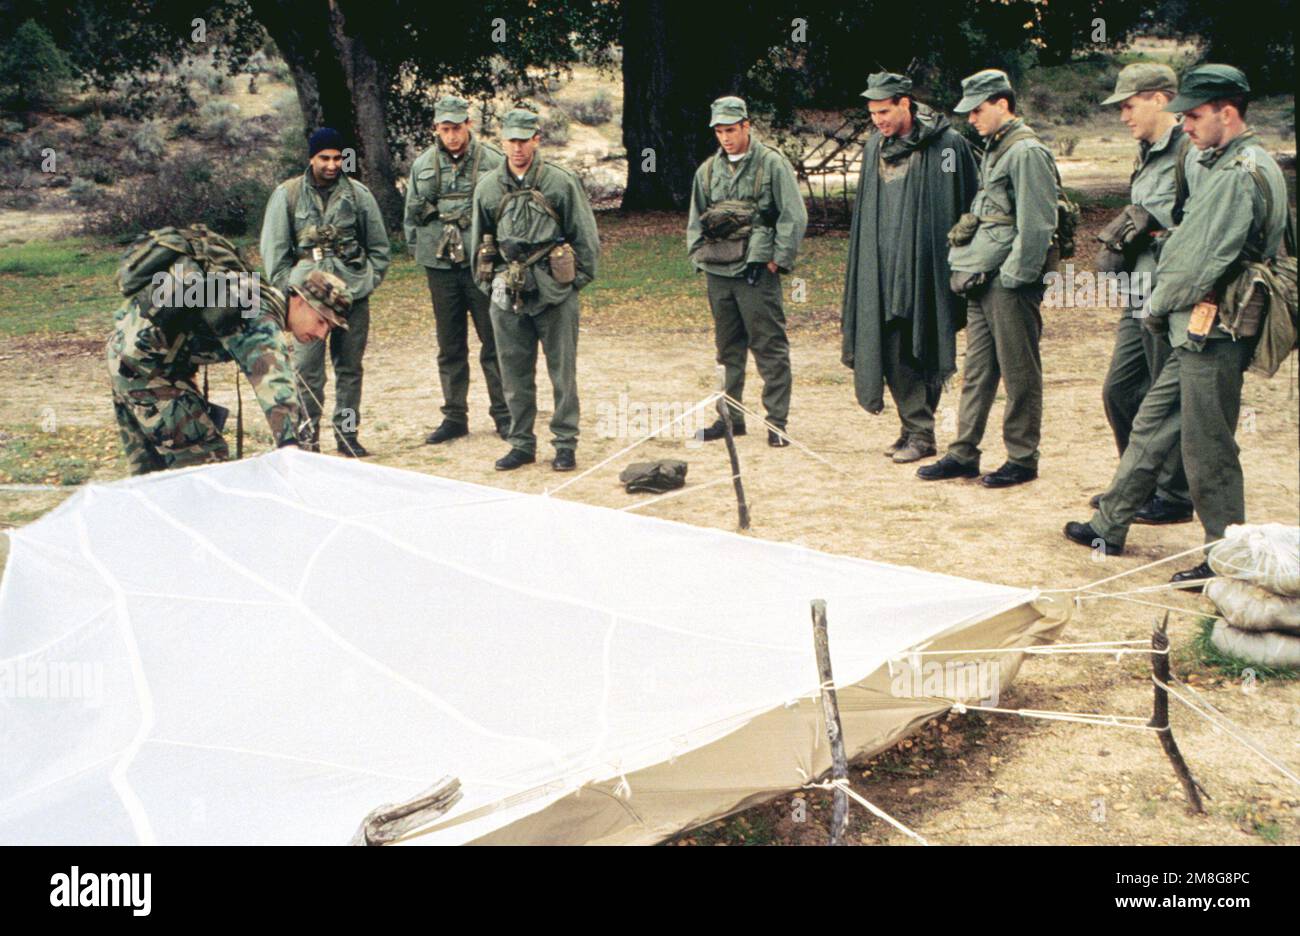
pixel 1142 76
pixel 519 124
pixel 884 85
pixel 1208 83
pixel 728 110
pixel 979 87
pixel 327 294
pixel 451 109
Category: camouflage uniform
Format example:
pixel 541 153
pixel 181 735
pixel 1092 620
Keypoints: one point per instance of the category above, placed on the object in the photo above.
pixel 162 418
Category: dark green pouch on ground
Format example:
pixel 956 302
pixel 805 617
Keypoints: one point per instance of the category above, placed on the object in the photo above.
pixel 657 477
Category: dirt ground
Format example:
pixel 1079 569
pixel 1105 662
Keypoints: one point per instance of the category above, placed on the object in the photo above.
pixel 969 779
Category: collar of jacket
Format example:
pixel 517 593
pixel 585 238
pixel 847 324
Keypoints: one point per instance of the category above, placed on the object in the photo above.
pixel 1003 132
pixel 1167 140
pixel 927 125
pixel 754 148
pixel 1210 158
pixel 530 177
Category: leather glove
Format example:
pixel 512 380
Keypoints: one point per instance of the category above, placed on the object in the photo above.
pixel 753 271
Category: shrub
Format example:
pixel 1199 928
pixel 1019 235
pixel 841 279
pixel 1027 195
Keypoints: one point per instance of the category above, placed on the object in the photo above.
pixel 555 127
pixel 100 171
pixel 218 122
pixel 1066 144
pixel 92 125
pixel 187 188
pixel 34 72
pixel 596 110
pixel 84 192
pixel 147 144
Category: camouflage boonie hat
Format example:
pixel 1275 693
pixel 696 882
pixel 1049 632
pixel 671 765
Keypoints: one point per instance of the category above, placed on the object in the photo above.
pixel 1142 76
pixel 520 124
pixel 884 85
pixel 1208 83
pixel 728 110
pixel 979 87
pixel 328 295
pixel 451 109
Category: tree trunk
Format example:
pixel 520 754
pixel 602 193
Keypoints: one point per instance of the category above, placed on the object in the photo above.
pixel 676 60
pixel 339 84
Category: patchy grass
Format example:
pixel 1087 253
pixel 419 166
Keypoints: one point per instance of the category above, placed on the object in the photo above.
pixel 61 286
pixel 1206 653
pixel 65 457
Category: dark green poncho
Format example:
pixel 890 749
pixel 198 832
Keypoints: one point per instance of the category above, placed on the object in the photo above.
pixel 898 261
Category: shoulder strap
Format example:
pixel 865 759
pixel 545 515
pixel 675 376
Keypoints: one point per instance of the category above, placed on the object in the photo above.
pixel 708 177
pixel 293 192
pixel 1012 138
pixel 531 192
pixel 1288 230
pixel 1180 177
pixel 473 173
pixel 437 171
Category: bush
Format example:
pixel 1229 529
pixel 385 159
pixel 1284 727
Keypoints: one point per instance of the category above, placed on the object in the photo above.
pixel 218 122
pixel 147 144
pixel 188 188
pixel 100 171
pixel 555 127
pixel 92 126
pixel 596 110
pixel 34 72
pixel 84 192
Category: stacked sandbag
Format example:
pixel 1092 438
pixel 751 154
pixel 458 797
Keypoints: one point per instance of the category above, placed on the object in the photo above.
pixel 1257 592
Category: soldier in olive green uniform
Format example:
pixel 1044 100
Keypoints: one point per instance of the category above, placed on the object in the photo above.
pixel 156 349
pixel 438 201
pixel 1130 245
pixel 534 245
pixel 324 220
pixel 746 223
pixel 1000 266
pixel 1236 212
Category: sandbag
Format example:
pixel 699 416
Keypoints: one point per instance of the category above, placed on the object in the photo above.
pixel 1266 554
pixel 1249 607
pixel 1265 648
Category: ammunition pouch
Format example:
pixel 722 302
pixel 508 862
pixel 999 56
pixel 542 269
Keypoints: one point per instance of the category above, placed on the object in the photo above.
pixel 485 261
pixel 727 227
pixel 451 246
pixel 426 213
pixel 325 240
pixel 520 257
pixel 1127 234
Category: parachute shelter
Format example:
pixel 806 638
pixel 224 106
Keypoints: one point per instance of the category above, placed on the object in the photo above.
pixel 267 650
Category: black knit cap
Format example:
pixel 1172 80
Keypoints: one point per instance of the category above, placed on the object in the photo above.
pixel 323 139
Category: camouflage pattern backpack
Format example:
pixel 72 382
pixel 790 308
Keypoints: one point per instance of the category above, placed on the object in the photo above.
pixel 156 251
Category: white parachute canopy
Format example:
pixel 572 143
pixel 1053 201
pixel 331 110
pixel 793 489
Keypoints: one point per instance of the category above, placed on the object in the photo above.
pixel 267 650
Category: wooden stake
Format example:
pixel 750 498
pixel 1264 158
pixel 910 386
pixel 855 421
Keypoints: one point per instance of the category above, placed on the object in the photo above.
pixel 1160 718
pixel 724 413
pixel 831 714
